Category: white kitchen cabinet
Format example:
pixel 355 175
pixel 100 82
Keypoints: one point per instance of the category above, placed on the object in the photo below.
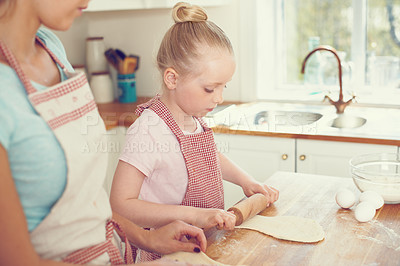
pixel 332 157
pixel 113 5
pixel 262 156
pixel 258 156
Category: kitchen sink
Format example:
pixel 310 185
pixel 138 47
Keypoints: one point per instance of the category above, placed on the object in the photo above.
pixel 347 121
pixel 286 118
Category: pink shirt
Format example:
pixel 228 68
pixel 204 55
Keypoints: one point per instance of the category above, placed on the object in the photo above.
pixel 154 150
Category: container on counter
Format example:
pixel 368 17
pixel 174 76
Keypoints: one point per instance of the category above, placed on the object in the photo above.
pixel 126 88
pixel 102 87
pixel 95 58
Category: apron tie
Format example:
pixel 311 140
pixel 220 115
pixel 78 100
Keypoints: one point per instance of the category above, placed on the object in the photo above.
pixel 86 255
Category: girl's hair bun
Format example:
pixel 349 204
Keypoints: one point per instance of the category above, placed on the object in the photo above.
pixel 185 12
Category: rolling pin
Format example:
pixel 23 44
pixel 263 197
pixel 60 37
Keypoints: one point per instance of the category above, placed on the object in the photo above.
pixel 249 207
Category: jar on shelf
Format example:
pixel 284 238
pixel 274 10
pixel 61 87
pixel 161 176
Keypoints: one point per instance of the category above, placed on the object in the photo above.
pixel 95 59
pixel 102 87
pixel 127 88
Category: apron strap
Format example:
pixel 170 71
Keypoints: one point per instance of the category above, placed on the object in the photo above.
pixel 86 255
pixel 163 112
pixel 202 123
pixel 12 61
pixel 52 55
pixel 141 107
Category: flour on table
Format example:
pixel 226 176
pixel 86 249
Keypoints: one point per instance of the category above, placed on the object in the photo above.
pixel 193 258
pixel 286 227
pixel 283 227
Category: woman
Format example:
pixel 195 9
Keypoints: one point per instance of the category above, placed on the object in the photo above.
pixel 54 207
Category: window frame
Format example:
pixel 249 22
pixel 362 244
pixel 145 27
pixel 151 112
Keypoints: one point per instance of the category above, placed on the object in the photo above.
pixel 271 59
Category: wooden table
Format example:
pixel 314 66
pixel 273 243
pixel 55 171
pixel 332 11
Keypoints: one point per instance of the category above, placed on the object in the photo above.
pixel 347 242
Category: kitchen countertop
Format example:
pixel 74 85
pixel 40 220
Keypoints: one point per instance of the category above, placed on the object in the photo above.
pixel 347 241
pixel 382 126
pixel 119 114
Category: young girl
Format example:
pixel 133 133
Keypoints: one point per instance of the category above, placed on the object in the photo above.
pixel 170 168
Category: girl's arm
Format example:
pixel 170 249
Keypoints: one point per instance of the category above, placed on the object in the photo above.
pixel 124 200
pixel 234 174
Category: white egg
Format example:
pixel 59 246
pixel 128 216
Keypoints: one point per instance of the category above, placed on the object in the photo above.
pixel 345 198
pixel 365 211
pixel 372 197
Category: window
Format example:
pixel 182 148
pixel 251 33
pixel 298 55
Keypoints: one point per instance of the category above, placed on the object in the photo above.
pixel 365 34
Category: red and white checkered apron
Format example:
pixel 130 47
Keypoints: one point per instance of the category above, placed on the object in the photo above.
pixel 86 255
pixel 205 188
pixel 78 228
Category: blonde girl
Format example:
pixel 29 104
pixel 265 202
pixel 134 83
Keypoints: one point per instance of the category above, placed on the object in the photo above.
pixel 170 168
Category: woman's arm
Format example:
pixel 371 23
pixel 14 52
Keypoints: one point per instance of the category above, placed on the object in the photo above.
pixel 16 248
pixel 234 174
pixel 164 240
pixel 124 200
pixel 15 245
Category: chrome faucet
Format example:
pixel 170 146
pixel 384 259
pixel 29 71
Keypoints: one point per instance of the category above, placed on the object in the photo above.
pixel 340 105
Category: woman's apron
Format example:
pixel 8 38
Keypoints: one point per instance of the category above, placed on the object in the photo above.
pixel 205 188
pixel 78 228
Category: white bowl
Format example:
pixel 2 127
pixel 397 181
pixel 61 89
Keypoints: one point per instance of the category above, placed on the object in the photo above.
pixel 379 172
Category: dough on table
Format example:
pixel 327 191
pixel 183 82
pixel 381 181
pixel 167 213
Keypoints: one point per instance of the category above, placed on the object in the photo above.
pixel 283 227
pixel 193 258
pixel 286 227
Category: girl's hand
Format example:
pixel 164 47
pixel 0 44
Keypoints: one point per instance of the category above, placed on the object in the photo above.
pixel 253 187
pixel 207 218
pixel 172 238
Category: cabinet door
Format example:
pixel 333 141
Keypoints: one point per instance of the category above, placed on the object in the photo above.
pixel 257 155
pixel 332 157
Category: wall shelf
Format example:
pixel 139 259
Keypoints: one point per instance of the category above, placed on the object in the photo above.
pixel 116 5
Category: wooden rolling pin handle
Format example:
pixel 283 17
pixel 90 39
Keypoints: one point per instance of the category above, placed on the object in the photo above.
pixel 249 207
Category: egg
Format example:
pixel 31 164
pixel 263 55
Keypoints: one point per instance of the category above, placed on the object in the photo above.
pixel 345 198
pixel 373 197
pixel 364 211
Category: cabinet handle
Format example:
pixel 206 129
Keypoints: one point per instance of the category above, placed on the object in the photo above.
pixel 284 156
pixel 302 157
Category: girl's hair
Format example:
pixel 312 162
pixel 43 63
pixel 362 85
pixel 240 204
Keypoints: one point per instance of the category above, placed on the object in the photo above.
pixel 181 44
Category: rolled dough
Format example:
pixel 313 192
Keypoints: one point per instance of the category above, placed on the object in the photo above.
pixel 283 227
pixel 286 227
pixel 193 258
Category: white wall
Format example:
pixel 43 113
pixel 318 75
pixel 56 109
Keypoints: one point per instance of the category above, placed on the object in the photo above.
pixel 140 32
